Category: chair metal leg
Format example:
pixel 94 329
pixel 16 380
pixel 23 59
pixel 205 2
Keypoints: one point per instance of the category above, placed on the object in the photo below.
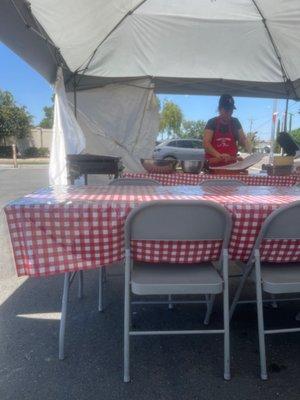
pixel 207 299
pixel 227 374
pixel 62 327
pixel 274 302
pixel 104 274
pixel 260 322
pixel 100 294
pixel 127 326
pixel 238 292
pixel 80 284
pixel 209 307
pixel 170 305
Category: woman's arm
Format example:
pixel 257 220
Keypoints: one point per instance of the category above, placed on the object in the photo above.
pixel 244 142
pixel 207 139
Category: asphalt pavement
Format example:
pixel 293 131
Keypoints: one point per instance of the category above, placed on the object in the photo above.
pixel 162 368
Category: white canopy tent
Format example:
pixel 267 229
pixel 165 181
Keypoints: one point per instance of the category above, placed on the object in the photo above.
pixel 245 47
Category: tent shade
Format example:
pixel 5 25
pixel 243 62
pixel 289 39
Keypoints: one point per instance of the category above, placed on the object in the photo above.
pixel 24 41
pixel 192 86
pixel 246 47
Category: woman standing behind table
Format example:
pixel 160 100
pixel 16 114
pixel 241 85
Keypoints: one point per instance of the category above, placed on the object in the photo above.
pixel 223 134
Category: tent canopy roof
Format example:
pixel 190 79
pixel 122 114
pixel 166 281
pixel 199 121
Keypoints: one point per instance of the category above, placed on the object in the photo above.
pixel 246 47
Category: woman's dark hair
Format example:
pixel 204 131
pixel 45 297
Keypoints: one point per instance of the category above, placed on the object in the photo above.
pixel 226 102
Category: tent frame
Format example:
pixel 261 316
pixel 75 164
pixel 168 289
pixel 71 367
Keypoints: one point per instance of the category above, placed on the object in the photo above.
pixel 34 43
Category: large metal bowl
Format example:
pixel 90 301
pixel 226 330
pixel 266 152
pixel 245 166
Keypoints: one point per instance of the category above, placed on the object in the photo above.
pixel 192 166
pixel 159 166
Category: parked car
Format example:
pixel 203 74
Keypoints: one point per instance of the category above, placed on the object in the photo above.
pixel 179 149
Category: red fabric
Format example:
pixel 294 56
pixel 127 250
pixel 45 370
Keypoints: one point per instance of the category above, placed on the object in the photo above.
pixel 176 252
pixel 196 179
pixel 224 143
pixel 82 228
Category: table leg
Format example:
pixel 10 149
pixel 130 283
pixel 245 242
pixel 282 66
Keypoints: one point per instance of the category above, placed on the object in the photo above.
pixel 100 300
pixel 80 284
pixel 62 327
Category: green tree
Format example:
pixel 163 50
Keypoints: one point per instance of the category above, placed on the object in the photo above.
pixel 296 135
pixel 47 121
pixel 15 121
pixel 192 129
pixel 253 139
pixel 170 119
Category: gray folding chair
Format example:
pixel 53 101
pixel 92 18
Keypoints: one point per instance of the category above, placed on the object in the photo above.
pixel 180 221
pixel 134 182
pixel 222 182
pixel 274 278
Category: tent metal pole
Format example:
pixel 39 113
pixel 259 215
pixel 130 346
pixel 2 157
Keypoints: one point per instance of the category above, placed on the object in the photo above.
pixel 75 95
pixel 286 79
pixel 274 117
pixel 286 114
pixel 57 57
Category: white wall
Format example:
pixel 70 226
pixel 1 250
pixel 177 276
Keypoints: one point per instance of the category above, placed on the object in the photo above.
pixel 39 137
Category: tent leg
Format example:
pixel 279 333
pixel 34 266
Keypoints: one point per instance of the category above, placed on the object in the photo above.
pixel 286 114
pixel 75 95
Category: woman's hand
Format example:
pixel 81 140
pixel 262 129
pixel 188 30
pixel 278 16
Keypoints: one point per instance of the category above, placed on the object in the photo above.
pixel 221 156
pixel 225 157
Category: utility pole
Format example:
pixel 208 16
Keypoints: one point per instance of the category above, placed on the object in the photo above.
pixel 283 123
pixel 278 126
pixel 251 124
pixel 291 121
pixel 286 115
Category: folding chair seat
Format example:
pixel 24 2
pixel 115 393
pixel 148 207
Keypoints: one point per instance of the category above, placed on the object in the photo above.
pixel 165 279
pixel 280 279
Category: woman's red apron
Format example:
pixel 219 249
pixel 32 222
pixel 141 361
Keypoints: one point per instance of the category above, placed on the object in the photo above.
pixel 223 143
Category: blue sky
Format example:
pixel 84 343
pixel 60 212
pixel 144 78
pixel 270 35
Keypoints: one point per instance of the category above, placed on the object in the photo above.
pixel 31 90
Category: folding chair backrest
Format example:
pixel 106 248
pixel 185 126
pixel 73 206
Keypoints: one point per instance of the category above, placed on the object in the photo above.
pixel 222 182
pixel 283 223
pixel 134 182
pixel 179 221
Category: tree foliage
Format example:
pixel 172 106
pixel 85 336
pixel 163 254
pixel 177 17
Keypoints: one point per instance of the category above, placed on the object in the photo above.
pixel 296 135
pixel 15 121
pixel 192 129
pixel 253 139
pixel 47 121
pixel 170 118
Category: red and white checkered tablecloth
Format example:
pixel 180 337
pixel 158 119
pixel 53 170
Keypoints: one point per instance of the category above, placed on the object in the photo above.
pixel 196 179
pixel 78 228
